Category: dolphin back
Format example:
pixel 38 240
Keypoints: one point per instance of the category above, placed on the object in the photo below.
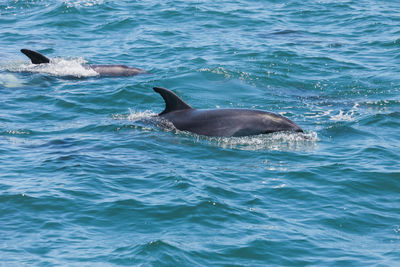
pixel 222 122
pixel 115 70
pixel 35 57
pixel 230 122
pixel 172 101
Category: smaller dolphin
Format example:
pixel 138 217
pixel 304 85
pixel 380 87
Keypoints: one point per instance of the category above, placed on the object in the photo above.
pixel 221 122
pixel 103 70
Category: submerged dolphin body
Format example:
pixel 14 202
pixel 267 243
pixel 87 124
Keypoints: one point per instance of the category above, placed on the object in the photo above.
pixel 103 70
pixel 221 122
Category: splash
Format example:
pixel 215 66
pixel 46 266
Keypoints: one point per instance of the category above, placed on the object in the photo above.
pixel 281 141
pixel 136 116
pixel 343 116
pixel 144 120
pixel 83 3
pixel 219 71
pixel 18 132
pixel 346 116
pixel 10 81
pixel 58 67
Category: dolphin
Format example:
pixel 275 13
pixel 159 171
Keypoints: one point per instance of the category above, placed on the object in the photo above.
pixel 102 70
pixel 221 122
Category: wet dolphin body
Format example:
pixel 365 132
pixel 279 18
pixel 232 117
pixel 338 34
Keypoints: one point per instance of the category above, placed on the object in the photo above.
pixel 221 122
pixel 103 70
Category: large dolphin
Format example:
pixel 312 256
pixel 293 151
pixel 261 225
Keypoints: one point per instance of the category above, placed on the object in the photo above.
pixel 221 122
pixel 103 70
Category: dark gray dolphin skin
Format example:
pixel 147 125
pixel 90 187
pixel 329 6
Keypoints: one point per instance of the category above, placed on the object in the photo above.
pixel 221 122
pixel 103 70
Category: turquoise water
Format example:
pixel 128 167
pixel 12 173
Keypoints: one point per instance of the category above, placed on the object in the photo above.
pixel 87 179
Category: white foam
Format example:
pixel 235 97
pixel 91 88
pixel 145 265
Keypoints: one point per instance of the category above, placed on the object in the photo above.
pixel 281 141
pixel 343 116
pixel 9 80
pixel 17 132
pixel 275 141
pixel 143 119
pixel 58 67
pixel 346 116
pixel 135 116
pixel 83 3
pixel 322 114
pixel 218 70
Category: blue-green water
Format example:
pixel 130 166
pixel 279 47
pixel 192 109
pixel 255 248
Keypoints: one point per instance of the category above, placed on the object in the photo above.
pixel 85 179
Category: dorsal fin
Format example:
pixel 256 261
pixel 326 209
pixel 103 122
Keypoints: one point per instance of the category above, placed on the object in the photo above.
pixel 35 57
pixel 172 101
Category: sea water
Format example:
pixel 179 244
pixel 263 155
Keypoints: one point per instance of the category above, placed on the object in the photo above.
pixel 86 178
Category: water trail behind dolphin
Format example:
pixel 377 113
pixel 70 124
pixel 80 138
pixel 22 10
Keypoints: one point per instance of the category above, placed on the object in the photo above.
pixel 57 67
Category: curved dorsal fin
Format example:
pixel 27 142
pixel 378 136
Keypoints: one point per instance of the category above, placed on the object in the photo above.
pixel 35 57
pixel 172 101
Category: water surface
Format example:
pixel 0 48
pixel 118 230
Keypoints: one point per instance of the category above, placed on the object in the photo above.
pixel 86 179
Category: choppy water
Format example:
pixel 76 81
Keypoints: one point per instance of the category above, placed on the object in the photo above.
pixel 86 180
